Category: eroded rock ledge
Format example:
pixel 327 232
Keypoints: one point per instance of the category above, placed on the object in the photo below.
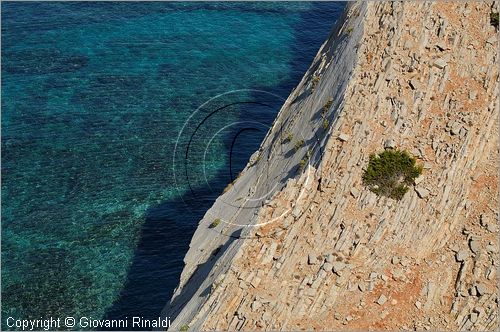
pixel 328 253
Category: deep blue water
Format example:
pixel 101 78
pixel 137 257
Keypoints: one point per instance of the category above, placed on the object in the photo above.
pixel 97 211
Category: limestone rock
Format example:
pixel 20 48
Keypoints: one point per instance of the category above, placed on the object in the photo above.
pixel 338 267
pixel 482 289
pixel 405 261
pixel 415 84
pixel 398 274
pixel 419 179
pixel 422 192
pixel 483 220
pixel 441 46
pixel 255 305
pixel 440 63
pixel 343 137
pixel 327 266
pixel 491 228
pixel 329 258
pixel 389 144
pixel 254 157
pixel 455 128
pixel 475 246
pixel 312 259
pixel 382 300
pixel 490 274
pixel 461 255
pixel 492 40
pixel 490 248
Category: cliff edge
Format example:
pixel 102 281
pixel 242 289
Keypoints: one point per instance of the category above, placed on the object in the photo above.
pixel 302 244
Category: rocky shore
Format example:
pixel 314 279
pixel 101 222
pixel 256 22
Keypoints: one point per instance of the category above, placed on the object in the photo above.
pixel 302 244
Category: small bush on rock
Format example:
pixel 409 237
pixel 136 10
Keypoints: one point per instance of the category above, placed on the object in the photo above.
pixel 214 223
pixel 326 107
pixel 326 123
pixel 314 82
pixel 288 137
pixel 303 163
pixel 494 19
pixel 390 172
pixel 298 144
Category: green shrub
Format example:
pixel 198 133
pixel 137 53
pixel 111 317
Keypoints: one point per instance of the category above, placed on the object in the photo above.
pixel 288 137
pixel 326 123
pixel 494 19
pixel 390 172
pixel 303 163
pixel 298 144
pixel 214 223
pixel 315 81
pixel 326 107
pixel 184 327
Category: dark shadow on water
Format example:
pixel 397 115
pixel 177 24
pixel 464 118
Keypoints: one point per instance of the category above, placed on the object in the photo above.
pixel 165 238
pixel 199 275
pixel 168 227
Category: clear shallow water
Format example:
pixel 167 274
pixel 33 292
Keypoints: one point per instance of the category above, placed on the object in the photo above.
pixel 97 213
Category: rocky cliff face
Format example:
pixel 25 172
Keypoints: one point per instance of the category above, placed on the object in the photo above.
pixel 323 252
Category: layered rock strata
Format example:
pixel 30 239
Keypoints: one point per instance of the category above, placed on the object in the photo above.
pixel 319 250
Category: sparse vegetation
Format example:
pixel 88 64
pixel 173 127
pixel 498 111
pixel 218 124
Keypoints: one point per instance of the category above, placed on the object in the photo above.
pixel 494 19
pixel 324 111
pixel 390 172
pixel 214 223
pixel 303 162
pixel 326 123
pixel 184 327
pixel 298 144
pixel 288 137
pixel 326 107
pixel 314 82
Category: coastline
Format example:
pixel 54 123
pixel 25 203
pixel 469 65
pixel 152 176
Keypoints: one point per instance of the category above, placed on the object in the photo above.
pixel 267 167
pixel 98 211
pixel 421 77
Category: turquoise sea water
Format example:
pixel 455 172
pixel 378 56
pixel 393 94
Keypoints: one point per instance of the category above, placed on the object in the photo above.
pixel 97 211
